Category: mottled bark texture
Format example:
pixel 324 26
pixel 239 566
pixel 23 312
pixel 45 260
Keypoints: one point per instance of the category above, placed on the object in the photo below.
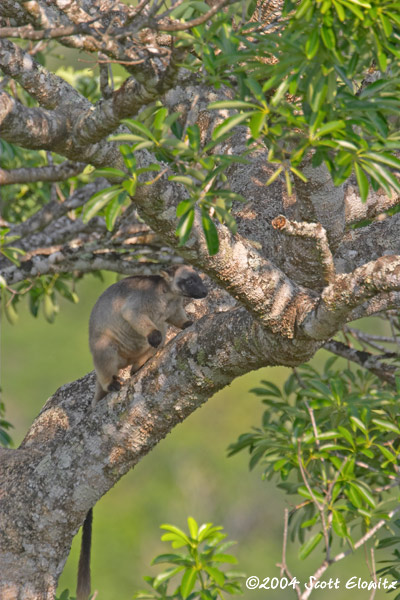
pixel 291 277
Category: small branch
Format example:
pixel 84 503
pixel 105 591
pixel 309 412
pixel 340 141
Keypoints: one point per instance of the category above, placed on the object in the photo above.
pixel 54 210
pixel 60 172
pixel 366 360
pixel 321 570
pixel 313 231
pixel 319 506
pixel 160 26
pixel 34 128
pixel 27 32
pixel 283 565
pixel 105 71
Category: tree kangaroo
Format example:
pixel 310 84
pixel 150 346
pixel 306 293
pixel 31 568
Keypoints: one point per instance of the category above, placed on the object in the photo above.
pixel 129 321
pixel 127 325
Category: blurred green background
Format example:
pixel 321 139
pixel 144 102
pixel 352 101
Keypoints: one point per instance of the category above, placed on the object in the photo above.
pixel 186 474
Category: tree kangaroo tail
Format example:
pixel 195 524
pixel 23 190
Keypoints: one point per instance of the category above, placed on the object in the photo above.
pixel 83 585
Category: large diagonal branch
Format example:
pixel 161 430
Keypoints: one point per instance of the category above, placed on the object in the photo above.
pixel 74 455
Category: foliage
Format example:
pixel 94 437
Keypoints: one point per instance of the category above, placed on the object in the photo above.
pixel 197 565
pixel 192 164
pixel 5 439
pixel 42 293
pixel 297 85
pixel 333 439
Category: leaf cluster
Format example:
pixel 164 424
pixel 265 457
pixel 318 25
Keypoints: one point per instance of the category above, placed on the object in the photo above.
pixel 193 165
pixel 333 439
pixel 42 293
pixel 304 88
pixel 5 426
pixel 196 569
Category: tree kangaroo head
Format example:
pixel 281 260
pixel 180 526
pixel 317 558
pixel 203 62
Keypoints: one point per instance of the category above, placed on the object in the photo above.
pixel 186 282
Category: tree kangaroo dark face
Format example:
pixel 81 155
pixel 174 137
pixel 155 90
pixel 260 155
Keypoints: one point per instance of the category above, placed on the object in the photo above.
pixel 189 283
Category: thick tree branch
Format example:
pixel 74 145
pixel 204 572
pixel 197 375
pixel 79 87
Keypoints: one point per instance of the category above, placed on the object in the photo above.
pixel 34 128
pixel 315 232
pixel 376 203
pixel 368 243
pixel 254 281
pixel 349 292
pixel 48 89
pixel 59 172
pixel 319 201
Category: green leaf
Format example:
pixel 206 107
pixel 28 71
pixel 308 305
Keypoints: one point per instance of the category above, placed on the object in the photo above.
pixel 98 201
pixel 328 37
pixel 9 310
pixel 312 44
pixel 302 9
pixel 113 210
pixel 159 118
pixel 210 232
pixel 226 558
pixel 229 124
pixel 183 207
pixel 186 181
pixel 358 423
pixel 303 491
pixel 49 308
pixel 382 60
pixel 256 123
pixel 339 524
pixel 194 136
pixel 168 558
pixel 216 574
pixel 166 575
pixel 233 104
pixel 365 493
pixel 274 175
pixel 134 125
pixel 109 172
pixel 329 127
pixel 176 531
pixel 363 183
pixel 386 425
pixel 310 545
pixel 193 528
pixel 188 582
pixel 185 226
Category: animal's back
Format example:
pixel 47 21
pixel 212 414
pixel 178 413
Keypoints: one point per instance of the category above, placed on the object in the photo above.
pixel 136 291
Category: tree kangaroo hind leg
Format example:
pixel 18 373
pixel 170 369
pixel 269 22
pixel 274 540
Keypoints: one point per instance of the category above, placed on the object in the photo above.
pixel 107 363
pixel 139 362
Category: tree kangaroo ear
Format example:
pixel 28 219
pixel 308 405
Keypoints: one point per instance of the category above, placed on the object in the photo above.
pixel 165 275
pixel 169 272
